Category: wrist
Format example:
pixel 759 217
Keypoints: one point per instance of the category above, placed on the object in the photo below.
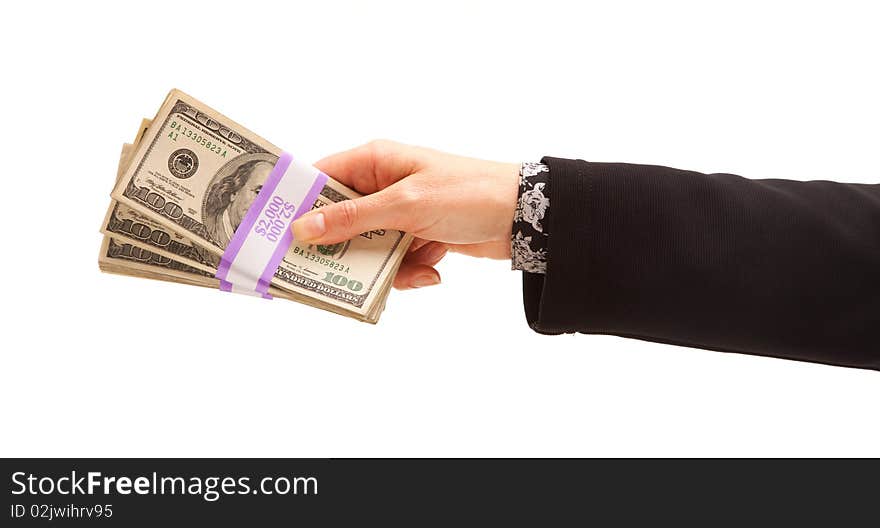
pixel 504 195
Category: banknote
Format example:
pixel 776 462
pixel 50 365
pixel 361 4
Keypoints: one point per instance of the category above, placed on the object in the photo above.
pixel 136 258
pixel 126 258
pixel 126 224
pixel 188 185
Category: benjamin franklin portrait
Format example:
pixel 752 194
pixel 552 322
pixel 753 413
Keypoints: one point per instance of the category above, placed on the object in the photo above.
pixel 231 192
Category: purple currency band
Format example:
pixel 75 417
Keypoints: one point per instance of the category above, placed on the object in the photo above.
pixel 264 271
pixel 227 287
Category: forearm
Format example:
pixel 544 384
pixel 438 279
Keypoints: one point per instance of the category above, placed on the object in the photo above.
pixel 770 267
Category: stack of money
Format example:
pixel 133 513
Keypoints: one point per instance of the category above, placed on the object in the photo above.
pixel 182 189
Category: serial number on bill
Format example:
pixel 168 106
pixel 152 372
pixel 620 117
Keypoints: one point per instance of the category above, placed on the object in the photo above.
pixel 324 261
pixel 195 136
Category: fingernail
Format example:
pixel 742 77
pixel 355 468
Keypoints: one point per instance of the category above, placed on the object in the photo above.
pixel 425 280
pixel 309 227
pixel 436 253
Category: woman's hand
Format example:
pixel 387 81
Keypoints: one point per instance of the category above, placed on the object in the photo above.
pixel 447 202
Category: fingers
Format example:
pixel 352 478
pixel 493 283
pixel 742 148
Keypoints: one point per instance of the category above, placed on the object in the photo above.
pixel 346 219
pixel 429 253
pixel 371 167
pixel 353 168
pixel 415 276
pixel 416 244
pixel 417 270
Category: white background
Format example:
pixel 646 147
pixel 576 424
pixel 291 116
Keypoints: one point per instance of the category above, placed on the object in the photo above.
pixel 100 365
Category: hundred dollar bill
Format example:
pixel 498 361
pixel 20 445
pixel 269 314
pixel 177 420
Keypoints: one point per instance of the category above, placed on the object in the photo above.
pixel 139 258
pixel 133 258
pixel 126 224
pixel 130 225
pixel 196 172
pixel 124 256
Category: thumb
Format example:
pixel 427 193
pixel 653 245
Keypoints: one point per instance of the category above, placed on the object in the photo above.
pixel 347 219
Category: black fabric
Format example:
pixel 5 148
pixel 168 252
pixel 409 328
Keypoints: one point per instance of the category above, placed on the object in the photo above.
pixel 770 267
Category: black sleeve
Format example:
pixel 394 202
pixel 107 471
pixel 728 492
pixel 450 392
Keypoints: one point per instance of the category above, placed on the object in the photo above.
pixel 770 267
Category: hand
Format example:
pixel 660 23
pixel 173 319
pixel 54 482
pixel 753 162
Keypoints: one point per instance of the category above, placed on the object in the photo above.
pixel 447 202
